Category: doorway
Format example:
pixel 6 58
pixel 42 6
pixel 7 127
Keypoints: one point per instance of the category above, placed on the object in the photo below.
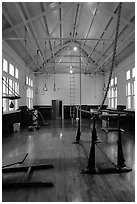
pixel 56 109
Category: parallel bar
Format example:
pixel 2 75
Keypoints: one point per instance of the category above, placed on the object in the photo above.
pixel 87 111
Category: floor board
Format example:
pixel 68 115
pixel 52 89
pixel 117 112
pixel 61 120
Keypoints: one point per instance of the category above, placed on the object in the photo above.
pixel 53 144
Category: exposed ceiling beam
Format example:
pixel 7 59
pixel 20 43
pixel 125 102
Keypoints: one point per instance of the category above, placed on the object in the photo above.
pixel 31 19
pixel 64 38
pixel 63 18
pixel 89 59
pixel 31 30
pixel 111 14
pixel 18 34
pixel 118 47
pixel 93 18
pixel 74 33
pixel 46 27
pixel 128 40
pixel 103 33
pixel 60 19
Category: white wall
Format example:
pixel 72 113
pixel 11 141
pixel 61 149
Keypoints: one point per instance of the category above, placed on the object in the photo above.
pixel 9 54
pixel 120 72
pixel 91 89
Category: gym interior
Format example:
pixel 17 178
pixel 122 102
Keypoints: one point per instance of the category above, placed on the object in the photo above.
pixel 68 101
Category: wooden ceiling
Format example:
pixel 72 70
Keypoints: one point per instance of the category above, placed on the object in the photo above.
pixel 44 34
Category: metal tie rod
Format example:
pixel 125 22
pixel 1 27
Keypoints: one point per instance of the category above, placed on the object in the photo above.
pixel 58 38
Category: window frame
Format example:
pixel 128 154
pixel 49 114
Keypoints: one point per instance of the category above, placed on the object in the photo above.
pixel 14 79
pixel 29 93
pixel 112 94
pixel 130 90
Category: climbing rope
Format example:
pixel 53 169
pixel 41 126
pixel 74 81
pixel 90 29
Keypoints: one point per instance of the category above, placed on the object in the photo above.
pixel 114 55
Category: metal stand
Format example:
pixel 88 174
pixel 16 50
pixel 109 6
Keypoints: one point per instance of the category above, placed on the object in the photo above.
pixel 77 141
pixel 120 168
pixel 25 182
pixel 91 168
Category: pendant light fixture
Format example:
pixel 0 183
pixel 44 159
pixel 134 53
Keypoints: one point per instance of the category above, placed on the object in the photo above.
pixel 54 86
pixel 45 87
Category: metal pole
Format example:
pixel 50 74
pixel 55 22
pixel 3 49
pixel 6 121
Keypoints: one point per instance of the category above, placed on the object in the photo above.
pixel 80 90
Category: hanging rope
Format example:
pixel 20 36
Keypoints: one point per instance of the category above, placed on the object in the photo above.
pixel 114 55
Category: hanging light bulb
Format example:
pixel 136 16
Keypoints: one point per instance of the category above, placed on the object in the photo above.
pixel 70 71
pixel 11 105
pixel 54 88
pixel 45 88
pixel 75 48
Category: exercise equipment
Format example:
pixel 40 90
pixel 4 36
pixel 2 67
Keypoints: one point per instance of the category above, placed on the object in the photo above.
pixel 92 112
pixel 34 123
pixel 77 140
pixel 114 54
pixel 8 167
pixel 120 167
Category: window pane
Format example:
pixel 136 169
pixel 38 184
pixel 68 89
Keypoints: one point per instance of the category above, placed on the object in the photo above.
pixel 27 93
pixel 128 74
pixel 4 104
pixel 133 102
pixel 128 89
pixel 108 102
pixel 31 83
pixel 115 80
pixel 109 93
pixel 11 70
pixel 5 65
pixel 5 82
pixel 115 102
pixel 16 104
pixel 133 72
pixel 112 103
pixel 29 103
pixel 10 86
pixel 112 92
pixel 27 80
pixel 133 85
pixel 116 93
pixel 129 102
pixel 16 73
pixel 112 82
pixel 17 87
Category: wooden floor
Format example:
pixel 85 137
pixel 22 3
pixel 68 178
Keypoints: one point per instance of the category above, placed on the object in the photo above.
pixel 53 144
